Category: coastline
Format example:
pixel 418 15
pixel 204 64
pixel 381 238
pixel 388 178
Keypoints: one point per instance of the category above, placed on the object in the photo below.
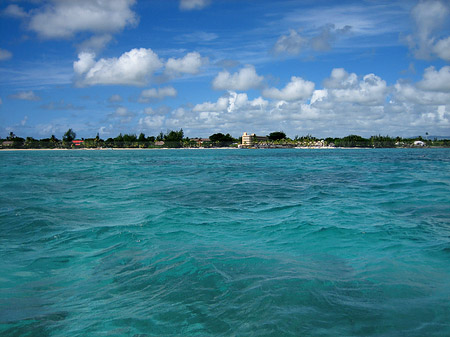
pixel 127 148
pixel 222 148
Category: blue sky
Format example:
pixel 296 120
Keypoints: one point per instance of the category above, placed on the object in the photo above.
pixel 326 68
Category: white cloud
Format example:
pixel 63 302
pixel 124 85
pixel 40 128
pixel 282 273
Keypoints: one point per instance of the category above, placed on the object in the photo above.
pixel 412 95
pixel 291 44
pixel 95 43
pixel 26 96
pixel 226 113
pixel 220 105
pixel 151 122
pixel 5 54
pixel 63 19
pixel 424 105
pixel 328 34
pixel 442 49
pixel 345 87
pixel 436 80
pixel 294 43
pixel 122 112
pixel 131 68
pixel 155 94
pixel 245 79
pixel 189 5
pixel 115 98
pixel 318 96
pixel 189 64
pixel 348 104
pixel 15 11
pixel 429 17
pixel 239 101
pixel 85 62
pixel 339 79
pixel 296 89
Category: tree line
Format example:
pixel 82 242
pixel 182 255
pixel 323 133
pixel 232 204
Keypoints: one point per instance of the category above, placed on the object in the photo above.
pixel 355 141
pixel 170 139
pixel 177 139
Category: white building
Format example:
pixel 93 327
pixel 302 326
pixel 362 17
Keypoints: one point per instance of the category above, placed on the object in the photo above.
pixel 249 140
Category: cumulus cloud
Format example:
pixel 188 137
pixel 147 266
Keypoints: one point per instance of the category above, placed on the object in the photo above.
pixel 345 87
pixel 189 5
pixel 226 113
pixel 238 101
pixel 347 104
pixel 156 94
pixel 436 80
pixel 296 89
pixel 290 44
pixel 63 19
pixel 339 79
pixel 442 49
pixel 432 90
pixel 429 17
pixel 220 105
pixel 15 11
pixel 131 68
pixel 318 96
pixel 5 54
pixel 245 79
pixel 85 62
pixel 189 64
pixel 151 122
pixel 26 96
pixel 413 95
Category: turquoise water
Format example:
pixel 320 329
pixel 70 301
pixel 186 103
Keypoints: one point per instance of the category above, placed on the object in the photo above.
pixel 225 243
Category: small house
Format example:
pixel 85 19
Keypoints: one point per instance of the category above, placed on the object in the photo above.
pixel 7 143
pixel 77 142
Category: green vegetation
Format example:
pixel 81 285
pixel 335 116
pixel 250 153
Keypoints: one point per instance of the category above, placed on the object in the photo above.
pixel 276 135
pixel 221 140
pixel 176 139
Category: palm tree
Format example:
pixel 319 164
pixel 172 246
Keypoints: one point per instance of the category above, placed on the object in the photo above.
pixel 69 135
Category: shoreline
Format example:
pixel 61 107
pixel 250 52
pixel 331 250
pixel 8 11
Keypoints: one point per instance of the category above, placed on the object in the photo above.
pixel 224 148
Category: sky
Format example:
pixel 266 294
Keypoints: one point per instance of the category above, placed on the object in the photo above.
pixel 323 68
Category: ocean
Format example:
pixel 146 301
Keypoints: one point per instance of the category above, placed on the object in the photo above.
pixel 287 242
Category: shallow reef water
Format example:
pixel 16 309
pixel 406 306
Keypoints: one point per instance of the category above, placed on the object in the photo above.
pixel 225 242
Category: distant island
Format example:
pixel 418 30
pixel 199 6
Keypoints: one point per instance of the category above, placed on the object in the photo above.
pixel 176 139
